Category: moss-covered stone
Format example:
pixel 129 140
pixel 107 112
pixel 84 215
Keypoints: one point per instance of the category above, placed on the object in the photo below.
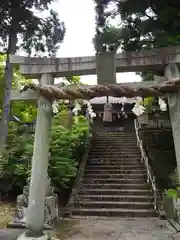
pixel 159 146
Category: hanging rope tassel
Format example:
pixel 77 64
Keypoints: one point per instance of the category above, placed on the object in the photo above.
pixel 108 109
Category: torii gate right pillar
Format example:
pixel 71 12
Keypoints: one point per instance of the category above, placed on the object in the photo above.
pixel 172 71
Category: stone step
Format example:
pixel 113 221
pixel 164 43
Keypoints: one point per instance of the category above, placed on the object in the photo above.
pixel 116 176
pixel 114 181
pixel 115 156
pixel 118 149
pixel 131 213
pixel 123 143
pixel 129 192
pixel 118 152
pixel 101 161
pixel 114 142
pixel 118 166
pixel 133 198
pixel 114 159
pixel 109 160
pixel 117 171
pixel 115 149
pixel 117 205
pixel 115 133
pixel 115 186
pixel 114 137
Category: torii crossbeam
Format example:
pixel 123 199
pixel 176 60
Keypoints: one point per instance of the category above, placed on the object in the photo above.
pixel 154 59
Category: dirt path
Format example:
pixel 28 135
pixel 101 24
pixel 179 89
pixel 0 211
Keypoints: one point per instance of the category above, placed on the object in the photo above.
pixel 6 213
pixel 114 229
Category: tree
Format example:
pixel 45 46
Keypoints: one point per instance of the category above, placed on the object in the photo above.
pixel 21 27
pixel 146 76
pixel 148 24
pixel 145 24
pixel 24 110
pixel 110 37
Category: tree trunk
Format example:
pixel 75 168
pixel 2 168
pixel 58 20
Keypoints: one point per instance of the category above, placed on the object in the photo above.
pixel 8 78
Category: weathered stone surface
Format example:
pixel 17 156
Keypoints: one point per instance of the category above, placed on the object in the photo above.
pixel 51 207
pixel 125 62
pixel 176 236
pixel 176 202
pixel 13 234
pixel 115 229
pixel 23 237
pixel 106 67
pixel 120 147
pixel 9 234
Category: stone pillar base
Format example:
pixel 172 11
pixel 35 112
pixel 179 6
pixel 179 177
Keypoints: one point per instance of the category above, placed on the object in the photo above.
pixel 21 225
pixel 51 211
pixel 23 237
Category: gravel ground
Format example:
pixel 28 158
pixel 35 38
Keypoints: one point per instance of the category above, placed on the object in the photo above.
pixel 106 229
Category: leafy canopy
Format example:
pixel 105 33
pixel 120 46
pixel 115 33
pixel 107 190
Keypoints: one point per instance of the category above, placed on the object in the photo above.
pixel 33 32
pixel 145 24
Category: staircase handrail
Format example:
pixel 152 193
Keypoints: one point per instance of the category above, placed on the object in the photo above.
pixel 150 177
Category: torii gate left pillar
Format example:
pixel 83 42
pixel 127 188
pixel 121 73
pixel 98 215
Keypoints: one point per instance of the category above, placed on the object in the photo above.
pixel 39 177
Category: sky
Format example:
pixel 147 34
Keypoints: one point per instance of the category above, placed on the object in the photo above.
pixel 79 18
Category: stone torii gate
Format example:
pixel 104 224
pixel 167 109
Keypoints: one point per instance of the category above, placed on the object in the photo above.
pixel 105 65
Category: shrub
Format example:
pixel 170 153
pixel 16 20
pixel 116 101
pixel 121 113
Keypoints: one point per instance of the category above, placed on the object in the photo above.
pixel 67 147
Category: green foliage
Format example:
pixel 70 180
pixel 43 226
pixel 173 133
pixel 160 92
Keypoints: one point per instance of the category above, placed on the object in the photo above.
pixel 67 148
pixel 73 80
pixel 110 38
pixel 14 163
pixel 149 23
pixel 64 148
pixel 24 110
pixel 146 76
pixel 21 27
pixel 151 104
pixel 174 177
pixel 36 34
pixel 144 25
pixel 171 193
pixel 174 192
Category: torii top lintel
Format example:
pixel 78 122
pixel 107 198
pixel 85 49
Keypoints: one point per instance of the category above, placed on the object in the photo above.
pixel 154 59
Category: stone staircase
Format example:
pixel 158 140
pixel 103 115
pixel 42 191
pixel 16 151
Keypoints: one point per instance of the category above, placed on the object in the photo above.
pixel 114 179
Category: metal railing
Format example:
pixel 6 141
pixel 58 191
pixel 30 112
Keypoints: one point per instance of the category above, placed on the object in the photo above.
pixel 150 178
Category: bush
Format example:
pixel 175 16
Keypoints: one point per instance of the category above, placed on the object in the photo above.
pixel 67 148
pixel 174 178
